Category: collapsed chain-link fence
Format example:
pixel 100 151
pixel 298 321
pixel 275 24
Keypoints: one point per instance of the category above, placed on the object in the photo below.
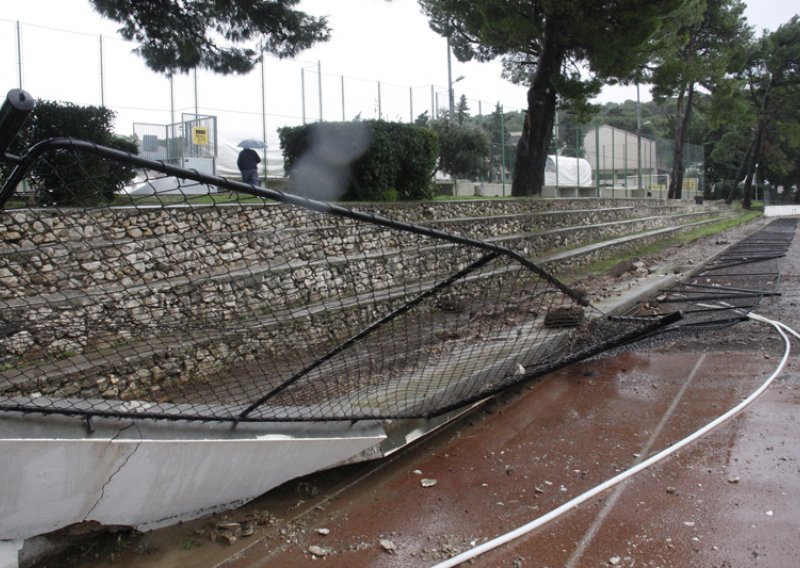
pixel 731 285
pixel 201 298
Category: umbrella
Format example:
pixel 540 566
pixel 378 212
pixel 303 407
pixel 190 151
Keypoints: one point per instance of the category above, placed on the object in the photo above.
pixel 251 143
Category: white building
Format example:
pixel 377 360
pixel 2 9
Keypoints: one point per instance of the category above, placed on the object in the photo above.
pixel 615 157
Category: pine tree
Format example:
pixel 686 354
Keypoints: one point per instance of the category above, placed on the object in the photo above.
pixel 546 45
pixel 223 36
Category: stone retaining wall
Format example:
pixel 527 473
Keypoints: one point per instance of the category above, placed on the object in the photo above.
pixel 78 282
pixel 47 252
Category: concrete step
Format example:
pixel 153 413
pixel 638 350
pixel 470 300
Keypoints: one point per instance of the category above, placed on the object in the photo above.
pixel 99 263
pixel 118 252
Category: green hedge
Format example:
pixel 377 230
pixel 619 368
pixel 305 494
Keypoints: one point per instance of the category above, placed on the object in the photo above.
pixel 69 178
pixel 369 160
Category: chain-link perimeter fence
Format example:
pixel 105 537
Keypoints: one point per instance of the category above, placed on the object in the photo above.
pixel 240 304
pixel 279 93
pixel 585 160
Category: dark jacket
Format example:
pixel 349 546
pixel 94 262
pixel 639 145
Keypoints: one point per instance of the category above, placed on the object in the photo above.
pixel 248 159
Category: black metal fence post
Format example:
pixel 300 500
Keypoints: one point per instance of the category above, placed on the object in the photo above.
pixel 15 110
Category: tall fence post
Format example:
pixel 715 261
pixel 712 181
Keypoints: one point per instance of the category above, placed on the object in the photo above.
pixel 638 140
pixel 264 116
pixel 343 109
pixel 303 91
pixel 171 99
pixel 16 108
pixel 556 152
pixel 380 109
pixel 578 157
pixel 19 54
pixel 613 164
pixel 597 158
pixel 196 92
pixel 502 147
pixel 102 75
pixel 319 88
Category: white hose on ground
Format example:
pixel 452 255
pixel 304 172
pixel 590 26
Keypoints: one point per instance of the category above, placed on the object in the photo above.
pixel 557 512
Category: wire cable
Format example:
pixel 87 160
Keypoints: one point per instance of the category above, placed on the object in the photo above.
pixel 781 328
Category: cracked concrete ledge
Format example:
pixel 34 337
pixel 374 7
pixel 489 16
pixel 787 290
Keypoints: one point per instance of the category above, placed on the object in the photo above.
pixel 125 460
pixel 55 474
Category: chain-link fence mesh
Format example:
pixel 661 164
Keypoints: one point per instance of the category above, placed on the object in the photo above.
pixel 592 159
pixel 215 300
pixel 730 285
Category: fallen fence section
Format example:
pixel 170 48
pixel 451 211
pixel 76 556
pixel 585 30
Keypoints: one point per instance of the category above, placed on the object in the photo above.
pixel 730 286
pixel 245 304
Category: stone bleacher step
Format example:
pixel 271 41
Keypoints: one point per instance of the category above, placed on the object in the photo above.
pixel 140 353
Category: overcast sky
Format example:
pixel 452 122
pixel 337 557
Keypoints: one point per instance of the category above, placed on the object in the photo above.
pixel 371 40
pixel 404 50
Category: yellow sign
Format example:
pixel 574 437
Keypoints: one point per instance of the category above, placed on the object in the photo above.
pixel 200 135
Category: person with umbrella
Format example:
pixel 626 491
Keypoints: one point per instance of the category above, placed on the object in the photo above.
pixel 248 161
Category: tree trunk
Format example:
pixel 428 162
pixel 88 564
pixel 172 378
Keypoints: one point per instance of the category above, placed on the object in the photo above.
pixel 683 113
pixel 740 173
pixel 534 144
pixel 747 198
pixel 521 181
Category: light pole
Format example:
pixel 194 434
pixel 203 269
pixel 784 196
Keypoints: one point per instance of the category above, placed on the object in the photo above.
pixel 451 82
pixel 453 97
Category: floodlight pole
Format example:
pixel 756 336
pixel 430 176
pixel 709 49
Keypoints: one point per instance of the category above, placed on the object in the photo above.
pixel 450 92
pixel 450 95
pixel 597 157
pixel 452 102
pixel 613 164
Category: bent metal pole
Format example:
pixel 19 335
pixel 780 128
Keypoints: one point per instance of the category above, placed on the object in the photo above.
pixel 15 110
